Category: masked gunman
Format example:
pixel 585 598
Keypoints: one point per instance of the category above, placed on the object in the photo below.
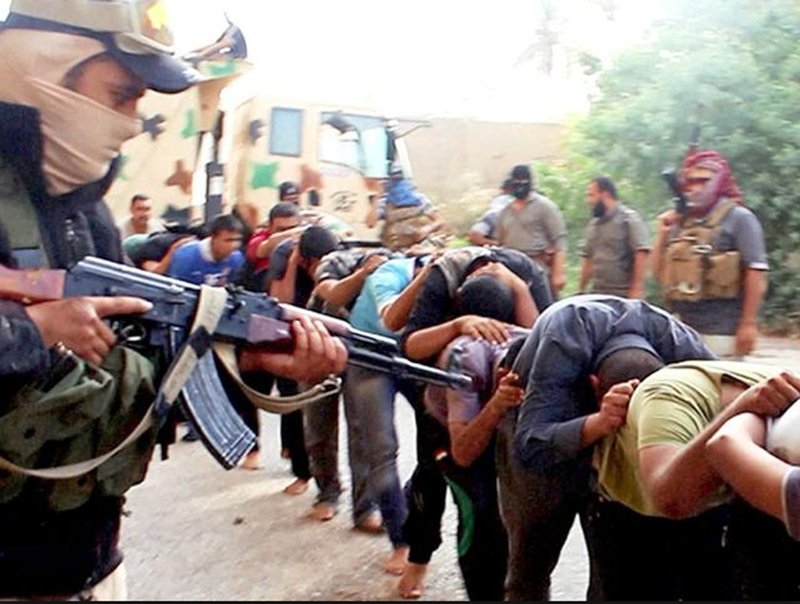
pixel 711 259
pixel 72 73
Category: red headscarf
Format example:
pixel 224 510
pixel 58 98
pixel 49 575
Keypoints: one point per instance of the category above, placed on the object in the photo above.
pixel 725 183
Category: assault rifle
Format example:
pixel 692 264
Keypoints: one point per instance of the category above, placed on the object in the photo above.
pixel 678 199
pixel 248 319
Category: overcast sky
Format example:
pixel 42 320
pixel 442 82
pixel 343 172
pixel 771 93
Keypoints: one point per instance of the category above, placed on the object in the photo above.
pixel 420 57
pixel 415 57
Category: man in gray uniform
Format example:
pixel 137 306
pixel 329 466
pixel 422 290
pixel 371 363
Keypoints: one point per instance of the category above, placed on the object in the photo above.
pixel 616 246
pixel 533 224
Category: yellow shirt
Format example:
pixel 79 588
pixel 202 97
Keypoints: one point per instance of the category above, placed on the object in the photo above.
pixel 670 407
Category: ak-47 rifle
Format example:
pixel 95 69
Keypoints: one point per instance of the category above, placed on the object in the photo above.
pixel 669 174
pixel 679 199
pixel 247 319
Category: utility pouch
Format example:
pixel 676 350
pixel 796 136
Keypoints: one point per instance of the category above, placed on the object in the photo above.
pixel 685 262
pixel 723 279
pixel 82 413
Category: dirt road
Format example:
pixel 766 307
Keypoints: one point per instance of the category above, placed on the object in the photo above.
pixel 197 532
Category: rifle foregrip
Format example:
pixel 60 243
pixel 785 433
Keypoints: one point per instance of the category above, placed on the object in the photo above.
pixel 402 368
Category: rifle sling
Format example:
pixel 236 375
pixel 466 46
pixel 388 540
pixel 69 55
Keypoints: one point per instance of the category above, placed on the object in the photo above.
pixel 210 306
pixel 226 353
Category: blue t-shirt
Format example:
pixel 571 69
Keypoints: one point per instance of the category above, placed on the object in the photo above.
pixel 380 288
pixel 193 262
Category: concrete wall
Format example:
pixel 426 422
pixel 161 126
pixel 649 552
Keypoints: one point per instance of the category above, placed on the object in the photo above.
pixel 456 161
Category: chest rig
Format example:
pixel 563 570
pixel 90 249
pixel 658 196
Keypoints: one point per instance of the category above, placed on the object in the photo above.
pixel 693 269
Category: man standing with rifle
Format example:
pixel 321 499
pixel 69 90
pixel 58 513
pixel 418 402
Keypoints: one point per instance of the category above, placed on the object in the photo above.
pixel 710 256
pixel 72 73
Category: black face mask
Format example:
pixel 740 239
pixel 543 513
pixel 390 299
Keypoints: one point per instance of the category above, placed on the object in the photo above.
pixel 521 189
pixel 599 209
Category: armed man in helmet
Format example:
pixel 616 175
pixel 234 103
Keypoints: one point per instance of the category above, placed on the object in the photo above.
pixel 71 74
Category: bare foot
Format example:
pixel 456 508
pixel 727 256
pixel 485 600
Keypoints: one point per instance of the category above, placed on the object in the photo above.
pixel 323 511
pixel 396 563
pixel 412 582
pixel 373 523
pixel 298 487
pixel 252 461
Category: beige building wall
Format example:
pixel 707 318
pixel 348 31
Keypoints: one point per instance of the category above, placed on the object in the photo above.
pixel 460 163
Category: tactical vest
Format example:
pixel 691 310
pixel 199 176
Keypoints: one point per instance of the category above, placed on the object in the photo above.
pixel 88 411
pixel 693 269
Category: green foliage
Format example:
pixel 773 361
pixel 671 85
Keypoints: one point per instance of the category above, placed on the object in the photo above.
pixel 733 68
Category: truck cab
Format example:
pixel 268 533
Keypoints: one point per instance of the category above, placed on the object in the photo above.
pixel 226 144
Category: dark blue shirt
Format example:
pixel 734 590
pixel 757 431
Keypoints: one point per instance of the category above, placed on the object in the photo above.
pixel 565 346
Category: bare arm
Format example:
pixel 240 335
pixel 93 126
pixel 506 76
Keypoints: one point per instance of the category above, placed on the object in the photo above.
pixel 638 272
pixel 470 439
pixel 160 267
pixel 663 226
pixel 395 314
pixel 612 413
pixel 265 248
pixel 340 292
pixel 525 310
pixel 476 238
pixel 754 286
pixel 679 479
pixel 558 275
pixel 425 343
pixel 737 453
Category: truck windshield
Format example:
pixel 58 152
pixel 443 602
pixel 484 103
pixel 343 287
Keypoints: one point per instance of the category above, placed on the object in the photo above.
pixel 358 141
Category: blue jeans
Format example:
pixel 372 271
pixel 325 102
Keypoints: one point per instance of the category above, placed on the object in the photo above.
pixel 321 428
pixel 370 398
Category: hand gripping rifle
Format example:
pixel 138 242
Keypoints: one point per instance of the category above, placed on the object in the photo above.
pixel 679 199
pixel 243 318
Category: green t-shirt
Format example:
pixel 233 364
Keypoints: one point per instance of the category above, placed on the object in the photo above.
pixel 670 407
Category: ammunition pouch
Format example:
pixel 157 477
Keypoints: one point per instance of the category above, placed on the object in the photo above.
pixel 85 414
pixel 694 271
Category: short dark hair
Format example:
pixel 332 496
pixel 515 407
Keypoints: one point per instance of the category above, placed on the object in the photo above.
pixel 287 187
pixel 139 197
pixel 626 364
pixel 225 222
pixel 283 209
pixel 316 241
pixel 605 185
pixel 485 296
pixel 521 172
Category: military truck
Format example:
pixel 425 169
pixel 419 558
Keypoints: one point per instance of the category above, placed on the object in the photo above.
pixel 227 144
